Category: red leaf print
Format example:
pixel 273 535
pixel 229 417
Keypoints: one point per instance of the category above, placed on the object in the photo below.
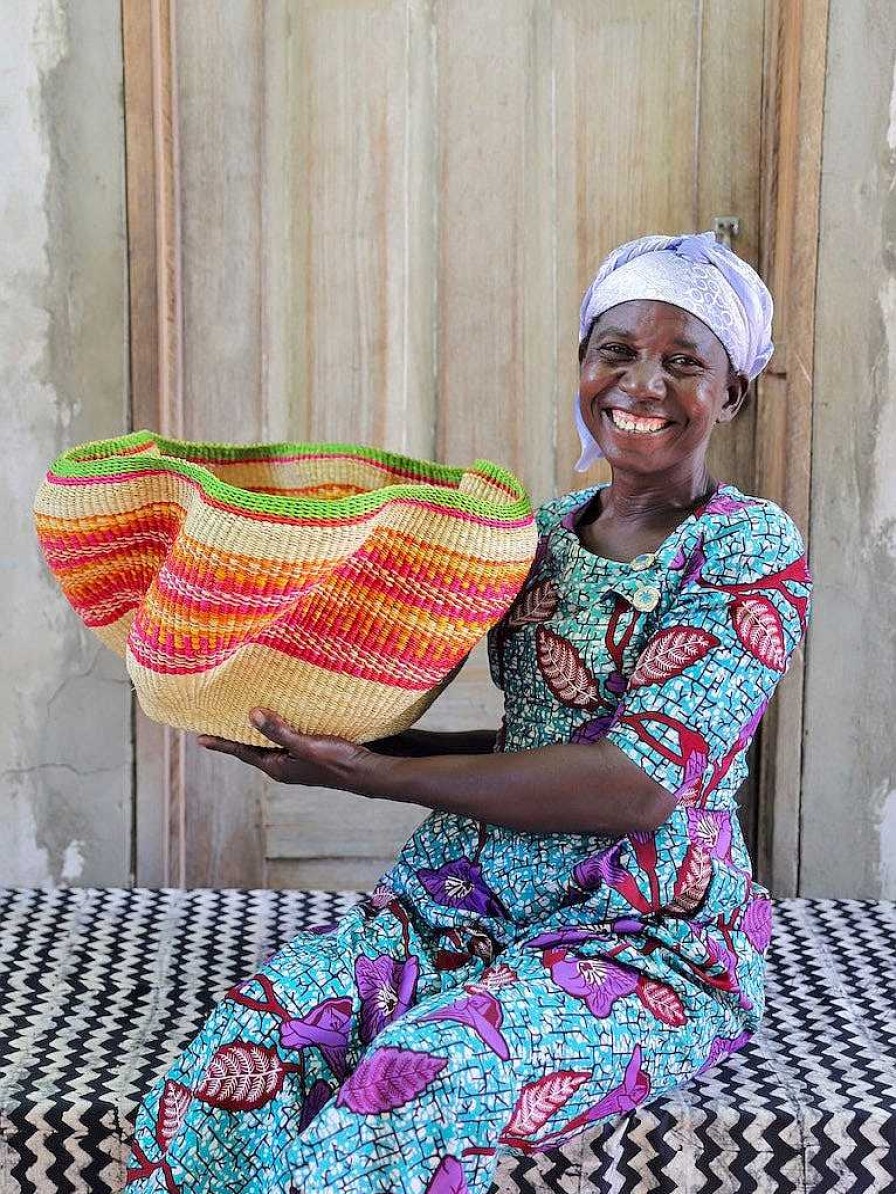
pixel 692 882
pixel 389 1078
pixel 534 605
pixel 671 651
pixel 242 1076
pixel 541 1099
pixel 564 672
pixel 758 626
pixel 662 1001
pixel 171 1111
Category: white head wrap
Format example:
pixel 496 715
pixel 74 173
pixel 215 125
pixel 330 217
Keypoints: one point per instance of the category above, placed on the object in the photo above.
pixel 701 276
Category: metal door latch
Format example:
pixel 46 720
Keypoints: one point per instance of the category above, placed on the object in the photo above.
pixel 726 229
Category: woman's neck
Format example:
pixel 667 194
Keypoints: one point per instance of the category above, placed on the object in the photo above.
pixel 634 498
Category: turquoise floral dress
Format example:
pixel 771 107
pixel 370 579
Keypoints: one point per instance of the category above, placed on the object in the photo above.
pixel 504 990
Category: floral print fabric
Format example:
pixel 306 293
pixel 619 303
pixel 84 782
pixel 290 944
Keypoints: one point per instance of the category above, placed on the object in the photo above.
pixel 502 989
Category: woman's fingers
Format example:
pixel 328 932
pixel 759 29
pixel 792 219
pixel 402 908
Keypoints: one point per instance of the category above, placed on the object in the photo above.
pixel 279 731
pixel 258 756
pixel 296 758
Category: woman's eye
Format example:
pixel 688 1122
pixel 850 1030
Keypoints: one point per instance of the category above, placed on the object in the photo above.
pixel 614 349
pixel 680 362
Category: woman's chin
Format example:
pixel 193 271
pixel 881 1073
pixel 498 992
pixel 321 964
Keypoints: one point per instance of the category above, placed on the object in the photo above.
pixel 638 456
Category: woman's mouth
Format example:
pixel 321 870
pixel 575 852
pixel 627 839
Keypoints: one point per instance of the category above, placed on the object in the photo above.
pixel 637 424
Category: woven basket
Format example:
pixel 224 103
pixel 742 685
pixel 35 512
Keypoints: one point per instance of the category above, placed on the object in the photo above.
pixel 337 585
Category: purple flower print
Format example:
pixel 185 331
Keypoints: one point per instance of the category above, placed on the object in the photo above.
pixel 570 936
pixel 448 1178
pixel 597 981
pixel 327 1027
pixel 595 728
pixel 628 924
pixel 480 1011
pixel 711 830
pixel 721 1047
pixel 723 503
pixel 749 727
pixel 387 990
pixel 694 565
pixel 605 867
pixel 459 884
pixel 690 566
pixel 315 1100
pixel 630 1092
pixel 757 924
pixel 720 968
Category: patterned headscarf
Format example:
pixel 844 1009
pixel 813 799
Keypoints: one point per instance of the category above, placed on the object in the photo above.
pixel 697 274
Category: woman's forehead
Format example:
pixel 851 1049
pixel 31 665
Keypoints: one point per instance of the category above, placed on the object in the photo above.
pixel 650 318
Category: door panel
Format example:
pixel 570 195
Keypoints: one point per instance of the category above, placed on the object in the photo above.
pixel 388 211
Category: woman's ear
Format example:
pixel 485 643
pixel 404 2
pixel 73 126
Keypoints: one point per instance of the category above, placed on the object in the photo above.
pixel 736 393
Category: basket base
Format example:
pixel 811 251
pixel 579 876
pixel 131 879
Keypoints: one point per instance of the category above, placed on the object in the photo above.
pixel 312 699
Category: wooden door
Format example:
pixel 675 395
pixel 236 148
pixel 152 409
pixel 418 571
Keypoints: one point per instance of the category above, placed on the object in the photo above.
pixel 373 220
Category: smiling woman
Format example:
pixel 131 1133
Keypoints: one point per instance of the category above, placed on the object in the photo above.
pixel 575 929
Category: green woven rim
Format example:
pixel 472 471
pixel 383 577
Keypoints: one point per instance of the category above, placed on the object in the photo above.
pixel 85 460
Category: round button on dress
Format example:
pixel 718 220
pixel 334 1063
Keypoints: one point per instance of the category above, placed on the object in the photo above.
pixel 646 599
pixel 642 562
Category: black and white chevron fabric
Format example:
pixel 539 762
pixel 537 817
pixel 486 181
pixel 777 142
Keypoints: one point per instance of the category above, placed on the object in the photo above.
pixel 99 989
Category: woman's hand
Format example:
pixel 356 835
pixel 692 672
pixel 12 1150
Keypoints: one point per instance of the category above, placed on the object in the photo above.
pixel 567 788
pixel 310 759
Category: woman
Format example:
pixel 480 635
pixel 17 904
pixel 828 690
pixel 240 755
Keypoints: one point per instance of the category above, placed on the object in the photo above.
pixel 574 930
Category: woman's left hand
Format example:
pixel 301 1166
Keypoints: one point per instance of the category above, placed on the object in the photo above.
pixel 310 759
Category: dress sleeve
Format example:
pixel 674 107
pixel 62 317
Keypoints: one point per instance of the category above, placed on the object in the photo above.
pixel 545 517
pixel 705 677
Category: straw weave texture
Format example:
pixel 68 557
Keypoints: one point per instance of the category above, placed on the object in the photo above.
pixel 336 584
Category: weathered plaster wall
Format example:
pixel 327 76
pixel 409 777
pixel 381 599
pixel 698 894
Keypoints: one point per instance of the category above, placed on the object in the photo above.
pixel 848 843
pixel 65 765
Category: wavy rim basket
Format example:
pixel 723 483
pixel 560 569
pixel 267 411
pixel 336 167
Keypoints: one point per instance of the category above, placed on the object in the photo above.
pixel 123 455
pixel 484 495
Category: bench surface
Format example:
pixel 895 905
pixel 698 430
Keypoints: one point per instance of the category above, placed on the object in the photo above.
pixel 100 989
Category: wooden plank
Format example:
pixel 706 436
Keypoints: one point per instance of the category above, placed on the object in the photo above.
pixel 155 323
pixel 325 874
pixel 796 56
pixel 362 254
pixel 348 246
pixel 315 823
pixel 496 381
pixel 728 183
pixel 626 103
pixel 218 85
pixel 728 174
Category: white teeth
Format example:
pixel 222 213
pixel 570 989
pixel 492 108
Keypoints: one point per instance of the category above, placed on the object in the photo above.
pixel 637 423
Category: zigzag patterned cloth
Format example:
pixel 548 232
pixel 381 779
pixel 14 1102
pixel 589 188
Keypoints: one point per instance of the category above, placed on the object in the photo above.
pixel 100 989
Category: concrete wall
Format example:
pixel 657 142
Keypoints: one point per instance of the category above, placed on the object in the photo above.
pixel 65 766
pixel 848 841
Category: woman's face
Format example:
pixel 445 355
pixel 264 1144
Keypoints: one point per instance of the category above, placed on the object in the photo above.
pixel 653 383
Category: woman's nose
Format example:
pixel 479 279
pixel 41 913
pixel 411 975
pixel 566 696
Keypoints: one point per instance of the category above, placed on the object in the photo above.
pixel 643 377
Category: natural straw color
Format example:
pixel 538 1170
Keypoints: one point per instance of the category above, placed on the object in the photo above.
pixel 335 584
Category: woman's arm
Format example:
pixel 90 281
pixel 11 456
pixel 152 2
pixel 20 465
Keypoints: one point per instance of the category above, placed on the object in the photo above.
pixel 590 788
pixel 422 744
